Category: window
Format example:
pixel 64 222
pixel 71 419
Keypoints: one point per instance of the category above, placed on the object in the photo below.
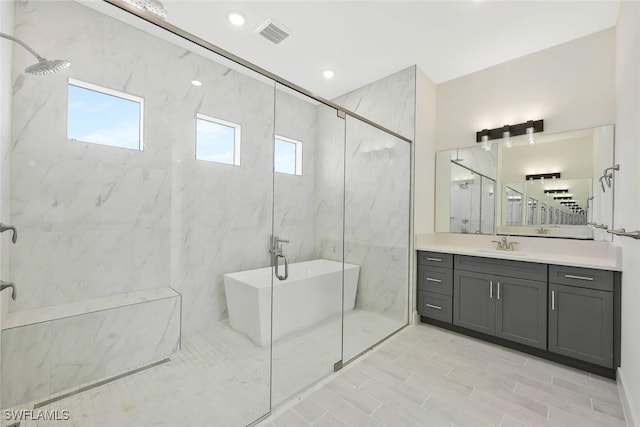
pixel 104 116
pixel 217 140
pixel 288 156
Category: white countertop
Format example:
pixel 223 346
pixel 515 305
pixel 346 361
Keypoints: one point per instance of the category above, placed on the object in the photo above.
pixel 576 253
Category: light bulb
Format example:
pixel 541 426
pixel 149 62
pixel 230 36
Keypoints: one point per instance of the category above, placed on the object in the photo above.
pixel 530 135
pixel 506 136
pixel 485 143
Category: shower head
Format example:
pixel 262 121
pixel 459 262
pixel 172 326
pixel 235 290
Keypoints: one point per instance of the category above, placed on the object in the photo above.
pixel 152 6
pixel 47 66
pixel 44 65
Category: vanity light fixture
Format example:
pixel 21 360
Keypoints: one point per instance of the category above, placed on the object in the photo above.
pixel 557 191
pixel 514 130
pixel 562 198
pixel 542 176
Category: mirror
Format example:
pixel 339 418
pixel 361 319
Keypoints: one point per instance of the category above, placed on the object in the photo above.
pixel 547 189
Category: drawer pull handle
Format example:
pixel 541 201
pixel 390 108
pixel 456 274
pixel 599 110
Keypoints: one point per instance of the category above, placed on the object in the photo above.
pixel 429 279
pixel 434 259
pixel 498 290
pixel 571 276
pixel 491 289
pixel 553 300
pixel 434 306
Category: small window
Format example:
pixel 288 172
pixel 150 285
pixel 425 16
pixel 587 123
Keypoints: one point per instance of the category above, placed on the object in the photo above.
pixel 217 140
pixel 288 156
pixel 104 116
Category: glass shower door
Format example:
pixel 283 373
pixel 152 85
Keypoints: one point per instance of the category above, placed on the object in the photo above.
pixel 307 243
pixel 376 238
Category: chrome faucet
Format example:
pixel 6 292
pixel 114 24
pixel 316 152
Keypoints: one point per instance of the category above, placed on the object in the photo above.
pixel 542 230
pixel 504 245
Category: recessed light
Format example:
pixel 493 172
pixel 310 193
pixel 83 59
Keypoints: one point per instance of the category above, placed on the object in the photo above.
pixel 328 74
pixel 236 19
pixel 196 82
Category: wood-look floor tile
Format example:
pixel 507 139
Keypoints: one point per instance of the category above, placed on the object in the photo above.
pixel 606 397
pixel 524 411
pixel 345 411
pixel 404 405
pixel 583 419
pixel 351 394
pixel 388 368
pixel 391 418
pixel 459 413
pixel 329 420
pixel 392 383
pixel 614 411
pixel 290 418
pixel 481 379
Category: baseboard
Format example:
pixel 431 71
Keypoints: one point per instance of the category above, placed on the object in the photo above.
pixel 630 414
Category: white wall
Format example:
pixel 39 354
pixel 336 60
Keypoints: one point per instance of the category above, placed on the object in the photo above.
pixel 570 86
pixel 627 205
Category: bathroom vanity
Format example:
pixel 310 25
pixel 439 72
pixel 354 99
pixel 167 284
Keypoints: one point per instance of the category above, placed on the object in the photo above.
pixel 568 313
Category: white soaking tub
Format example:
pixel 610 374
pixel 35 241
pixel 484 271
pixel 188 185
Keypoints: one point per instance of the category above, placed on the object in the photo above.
pixel 311 294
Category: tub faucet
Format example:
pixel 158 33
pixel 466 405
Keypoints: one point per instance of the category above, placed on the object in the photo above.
pixel 4 227
pixel 4 285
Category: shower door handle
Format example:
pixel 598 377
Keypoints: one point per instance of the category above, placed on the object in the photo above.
pixel 286 267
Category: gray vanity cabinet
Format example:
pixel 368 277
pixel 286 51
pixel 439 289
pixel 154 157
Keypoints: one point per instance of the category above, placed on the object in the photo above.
pixel 510 308
pixel 581 314
pixel 435 285
pixel 521 311
pixel 474 306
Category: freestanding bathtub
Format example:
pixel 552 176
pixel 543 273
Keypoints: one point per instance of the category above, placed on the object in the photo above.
pixel 311 294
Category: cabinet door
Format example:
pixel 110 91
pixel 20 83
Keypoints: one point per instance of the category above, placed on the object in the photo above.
pixel 474 301
pixel 581 323
pixel 521 311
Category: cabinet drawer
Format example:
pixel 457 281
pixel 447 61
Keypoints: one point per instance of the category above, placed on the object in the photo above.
pixel 435 306
pixel 435 259
pixel 434 279
pixel 502 267
pixel 588 278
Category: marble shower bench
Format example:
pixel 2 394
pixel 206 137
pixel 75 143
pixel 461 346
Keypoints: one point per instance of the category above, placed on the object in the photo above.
pixel 49 350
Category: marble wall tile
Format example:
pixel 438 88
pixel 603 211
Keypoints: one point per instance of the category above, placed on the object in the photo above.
pixel 389 101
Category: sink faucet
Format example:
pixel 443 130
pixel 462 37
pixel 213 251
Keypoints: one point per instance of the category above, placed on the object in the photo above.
pixel 504 245
pixel 542 230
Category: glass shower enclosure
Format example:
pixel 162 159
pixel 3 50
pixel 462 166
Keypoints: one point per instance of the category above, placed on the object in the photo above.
pixel 201 255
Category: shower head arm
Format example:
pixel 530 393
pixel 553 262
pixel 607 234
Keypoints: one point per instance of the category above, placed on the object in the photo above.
pixel 23 44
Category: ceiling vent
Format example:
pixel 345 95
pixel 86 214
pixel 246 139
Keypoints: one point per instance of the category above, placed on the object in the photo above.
pixel 273 32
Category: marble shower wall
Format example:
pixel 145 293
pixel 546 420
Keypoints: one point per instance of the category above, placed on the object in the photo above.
pixel 377 198
pixel 98 220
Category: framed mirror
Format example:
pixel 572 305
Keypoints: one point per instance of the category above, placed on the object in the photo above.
pixel 547 189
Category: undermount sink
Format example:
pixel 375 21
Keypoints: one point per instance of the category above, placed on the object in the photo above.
pixel 499 252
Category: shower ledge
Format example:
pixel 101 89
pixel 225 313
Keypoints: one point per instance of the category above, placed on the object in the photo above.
pixel 21 318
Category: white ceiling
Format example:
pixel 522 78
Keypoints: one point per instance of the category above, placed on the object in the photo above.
pixel 363 41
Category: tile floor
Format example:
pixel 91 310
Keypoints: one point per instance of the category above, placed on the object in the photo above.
pixel 426 376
